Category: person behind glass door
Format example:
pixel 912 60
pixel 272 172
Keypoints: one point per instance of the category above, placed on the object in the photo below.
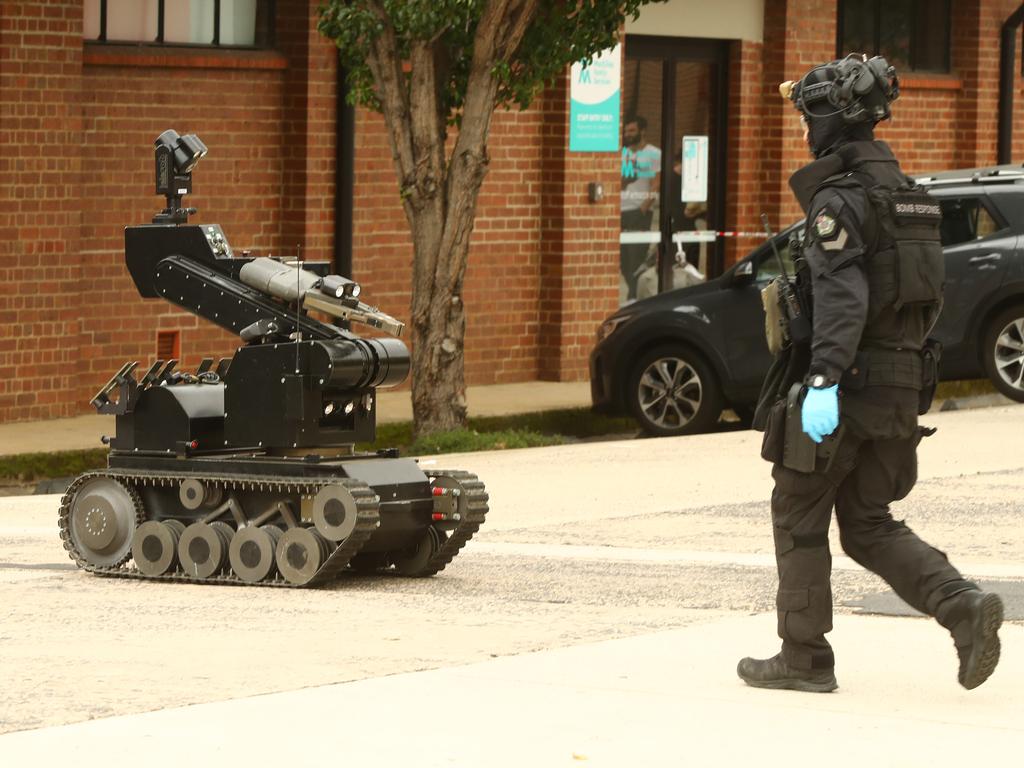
pixel 641 172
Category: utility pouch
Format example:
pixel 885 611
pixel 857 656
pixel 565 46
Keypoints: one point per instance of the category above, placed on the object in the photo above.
pixel 921 265
pixel 799 451
pixel 921 272
pixel 774 439
pixel 931 355
pixel 775 324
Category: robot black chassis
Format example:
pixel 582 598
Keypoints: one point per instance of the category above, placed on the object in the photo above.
pixel 246 472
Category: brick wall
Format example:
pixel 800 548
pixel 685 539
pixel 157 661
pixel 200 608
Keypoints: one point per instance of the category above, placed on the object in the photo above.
pixel 41 167
pixel 941 121
pixel 745 127
pixel 79 122
pixel 542 268
pixel 76 155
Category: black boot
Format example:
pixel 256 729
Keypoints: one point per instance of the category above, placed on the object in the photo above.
pixel 973 620
pixel 776 673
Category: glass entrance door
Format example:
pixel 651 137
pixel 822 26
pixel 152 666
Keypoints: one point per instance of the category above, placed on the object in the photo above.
pixel 672 153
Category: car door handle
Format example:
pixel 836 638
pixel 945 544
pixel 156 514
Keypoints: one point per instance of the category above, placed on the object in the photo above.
pixel 990 258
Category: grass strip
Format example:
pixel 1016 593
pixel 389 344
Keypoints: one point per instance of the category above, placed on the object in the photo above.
pixel 30 467
pixel 489 433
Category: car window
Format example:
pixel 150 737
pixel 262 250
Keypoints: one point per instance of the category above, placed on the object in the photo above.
pixel 768 269
pixel 965 219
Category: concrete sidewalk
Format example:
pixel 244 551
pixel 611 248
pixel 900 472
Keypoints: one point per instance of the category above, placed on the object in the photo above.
pixel 596 619
pixel 670 698
pixel 83 432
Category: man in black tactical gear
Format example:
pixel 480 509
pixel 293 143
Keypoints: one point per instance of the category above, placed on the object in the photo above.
pixel 874 265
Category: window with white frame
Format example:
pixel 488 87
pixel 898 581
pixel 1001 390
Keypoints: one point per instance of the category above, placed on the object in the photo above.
pixel 222 23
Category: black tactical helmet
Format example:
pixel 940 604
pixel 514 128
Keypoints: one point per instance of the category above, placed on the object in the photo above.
pixel 841 101
pixel 857 89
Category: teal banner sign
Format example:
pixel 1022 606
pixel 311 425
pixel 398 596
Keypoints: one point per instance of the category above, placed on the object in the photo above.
pixel 594 96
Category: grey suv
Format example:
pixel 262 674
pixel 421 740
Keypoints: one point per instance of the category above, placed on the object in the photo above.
pixel 676 360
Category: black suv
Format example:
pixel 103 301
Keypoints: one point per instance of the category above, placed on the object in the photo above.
pixel 674 361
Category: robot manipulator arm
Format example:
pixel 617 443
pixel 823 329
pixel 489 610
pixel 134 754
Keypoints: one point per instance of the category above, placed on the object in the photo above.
pixel 335 295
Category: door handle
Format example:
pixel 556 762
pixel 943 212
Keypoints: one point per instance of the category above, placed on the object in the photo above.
pixel 990 258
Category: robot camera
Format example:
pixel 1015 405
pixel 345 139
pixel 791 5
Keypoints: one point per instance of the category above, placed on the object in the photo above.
pixel 176 157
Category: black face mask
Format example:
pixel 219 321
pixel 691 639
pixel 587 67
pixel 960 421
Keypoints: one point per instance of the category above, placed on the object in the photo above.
pixel 828 133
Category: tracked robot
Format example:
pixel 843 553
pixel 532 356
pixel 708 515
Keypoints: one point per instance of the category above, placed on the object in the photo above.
pixel 245 471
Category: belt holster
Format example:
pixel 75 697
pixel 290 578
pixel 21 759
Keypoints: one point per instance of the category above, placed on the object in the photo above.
pixel 799 452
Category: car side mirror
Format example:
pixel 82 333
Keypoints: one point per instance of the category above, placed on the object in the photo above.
pixel 743 273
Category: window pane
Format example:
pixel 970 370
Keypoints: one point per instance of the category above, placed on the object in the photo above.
pixel 641 174
pixel 189 21
pixel 959 220
pixel 91 19
pixel 858 27
pixel 134 20
pixel 238 22
pixel 769 267
pixel 931 45
pixel 894 32
pixel 986 225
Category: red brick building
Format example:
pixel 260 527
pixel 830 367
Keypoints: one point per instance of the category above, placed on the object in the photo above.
pixel 86 85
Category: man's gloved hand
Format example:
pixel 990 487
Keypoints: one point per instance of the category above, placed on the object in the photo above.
pixel 820 413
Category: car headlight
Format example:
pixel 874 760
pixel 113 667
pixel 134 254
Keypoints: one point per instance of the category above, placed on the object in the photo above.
pixel 608 326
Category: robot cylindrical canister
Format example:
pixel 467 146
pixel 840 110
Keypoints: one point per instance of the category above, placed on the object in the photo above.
pixel 277 279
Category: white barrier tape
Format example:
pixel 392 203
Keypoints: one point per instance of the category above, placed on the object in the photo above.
pixel 692 236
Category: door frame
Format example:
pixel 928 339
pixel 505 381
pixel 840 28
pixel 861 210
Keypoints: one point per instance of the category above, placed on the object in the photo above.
pixel 700 50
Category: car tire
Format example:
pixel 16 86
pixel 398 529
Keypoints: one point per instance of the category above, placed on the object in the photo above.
pixel 673 391
pixel 1002 349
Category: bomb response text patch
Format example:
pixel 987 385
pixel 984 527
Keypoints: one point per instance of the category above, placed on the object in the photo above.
pixel 915 208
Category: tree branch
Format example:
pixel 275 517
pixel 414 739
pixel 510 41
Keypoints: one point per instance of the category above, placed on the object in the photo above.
pixel 386 66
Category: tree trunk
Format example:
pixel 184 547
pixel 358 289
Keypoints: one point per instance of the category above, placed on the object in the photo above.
pixel 438 311
pixel 438 343
pixel 440 197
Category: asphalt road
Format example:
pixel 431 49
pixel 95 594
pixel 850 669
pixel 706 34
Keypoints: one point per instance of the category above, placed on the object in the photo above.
pixel 583 543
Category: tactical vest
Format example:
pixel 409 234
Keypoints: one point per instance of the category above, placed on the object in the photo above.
pixel 906 270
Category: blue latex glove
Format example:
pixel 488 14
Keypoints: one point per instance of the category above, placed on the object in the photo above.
pixel 820 413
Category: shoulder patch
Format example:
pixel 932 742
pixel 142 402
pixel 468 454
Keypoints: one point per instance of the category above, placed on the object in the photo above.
pixel 824 225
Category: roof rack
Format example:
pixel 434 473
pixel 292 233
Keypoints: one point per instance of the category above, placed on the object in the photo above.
pixel 1001 173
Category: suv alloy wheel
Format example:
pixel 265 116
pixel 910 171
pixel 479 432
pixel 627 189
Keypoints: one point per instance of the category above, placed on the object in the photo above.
pixel 1003 352
pixel 673 391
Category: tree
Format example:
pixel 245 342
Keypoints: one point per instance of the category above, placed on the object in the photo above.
pixel 430 66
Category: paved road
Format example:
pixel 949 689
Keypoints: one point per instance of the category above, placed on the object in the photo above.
pixel 639 546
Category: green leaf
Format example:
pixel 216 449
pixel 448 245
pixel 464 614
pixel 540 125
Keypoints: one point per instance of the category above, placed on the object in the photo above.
pixel 561 33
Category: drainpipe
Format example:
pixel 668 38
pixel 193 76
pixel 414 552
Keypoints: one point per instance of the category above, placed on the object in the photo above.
pixel 344 177
pixel 1007 60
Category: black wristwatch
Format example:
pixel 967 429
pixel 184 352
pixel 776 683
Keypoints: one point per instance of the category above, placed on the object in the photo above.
pixel 819 381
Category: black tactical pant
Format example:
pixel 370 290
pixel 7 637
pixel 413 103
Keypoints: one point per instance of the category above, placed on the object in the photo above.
pixel 875 464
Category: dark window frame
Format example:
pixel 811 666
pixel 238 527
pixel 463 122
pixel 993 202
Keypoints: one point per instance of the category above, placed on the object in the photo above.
pixel 913 46
pixel 269 43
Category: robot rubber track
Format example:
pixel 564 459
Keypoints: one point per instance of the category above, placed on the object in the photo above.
pixel 339 556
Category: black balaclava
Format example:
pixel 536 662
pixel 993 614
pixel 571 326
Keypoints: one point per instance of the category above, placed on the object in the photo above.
pixel 828 133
